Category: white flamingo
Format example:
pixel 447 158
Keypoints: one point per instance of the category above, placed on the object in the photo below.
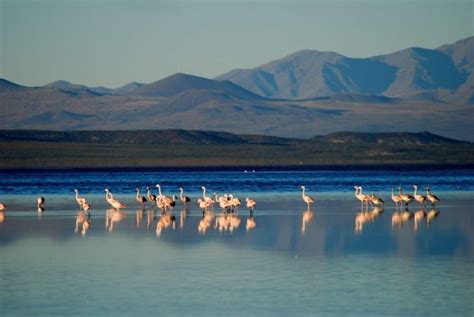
pixel 251 203
pixel 396 199
pixel 307 199
pixel 40 202
pixel 419 198
pixel 80 200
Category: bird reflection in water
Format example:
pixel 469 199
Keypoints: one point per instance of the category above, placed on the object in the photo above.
pixel 150 217
pixel 366 216
pixel 306 219
pixel 419 215
pixel 251 223
pixel 166 220
pixel 138 217
pixel 182 216
pixel 430 216
pixel 399 218
pixel 227 222
pixel 82 219
pixel 113 216
pixel 205 222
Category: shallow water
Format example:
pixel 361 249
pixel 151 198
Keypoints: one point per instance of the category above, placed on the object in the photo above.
pixel 325 268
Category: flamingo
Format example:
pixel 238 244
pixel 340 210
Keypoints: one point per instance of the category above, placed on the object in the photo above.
pixel 432 198
pixel 406 198
pixel 419 198
pixel 376 201
pixel 40 202
pixel 80 200
pixel 307 199
pixel 184 199
pixel 162 197
pixel 139 198
pixel 151 197
pixel 3 207
pixel 234 202
pixel 250 204
pixel 364 199
pixel 396 199
pixel 204 205
pixel 223 201
pixel 109 197
pixel 206 198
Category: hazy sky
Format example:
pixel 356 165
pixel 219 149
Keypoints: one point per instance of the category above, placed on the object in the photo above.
pixel 111 43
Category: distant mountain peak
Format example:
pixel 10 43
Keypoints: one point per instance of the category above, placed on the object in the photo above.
pixel 177 83
pixel 6 85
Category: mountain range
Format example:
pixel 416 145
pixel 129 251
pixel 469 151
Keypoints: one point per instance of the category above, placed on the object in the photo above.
pixel 443 74
pixel 299 96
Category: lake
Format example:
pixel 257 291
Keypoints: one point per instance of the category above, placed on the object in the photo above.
pixel 331 261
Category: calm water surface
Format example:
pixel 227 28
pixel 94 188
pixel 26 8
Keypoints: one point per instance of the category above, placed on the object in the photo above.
pixel 291 263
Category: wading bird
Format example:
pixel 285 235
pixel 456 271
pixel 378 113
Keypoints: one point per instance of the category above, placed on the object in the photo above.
pixel 375 200
pixel 250 204
pixel 109 197
pixel 151 197
pixel 419 198
pixel 80 200
pixel 184 199
pixel 363 198
pixel 40 202
pixel 307 199
pixel 432 198
pixel 206 198
pixel 406 198
pixel 139 198
pixel 396 199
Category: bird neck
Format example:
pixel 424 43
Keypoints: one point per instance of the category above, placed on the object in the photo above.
pixel 302 194
pixel 416 189
pixel 204 192
pixel 77 194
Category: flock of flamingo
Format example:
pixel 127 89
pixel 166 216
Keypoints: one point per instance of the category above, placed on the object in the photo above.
pixel 399 217
pixel 228 220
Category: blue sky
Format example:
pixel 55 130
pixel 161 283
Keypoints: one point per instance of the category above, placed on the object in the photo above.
pixel 111 43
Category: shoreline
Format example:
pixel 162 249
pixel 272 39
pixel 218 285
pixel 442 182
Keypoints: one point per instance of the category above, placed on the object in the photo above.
pixel 252 168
